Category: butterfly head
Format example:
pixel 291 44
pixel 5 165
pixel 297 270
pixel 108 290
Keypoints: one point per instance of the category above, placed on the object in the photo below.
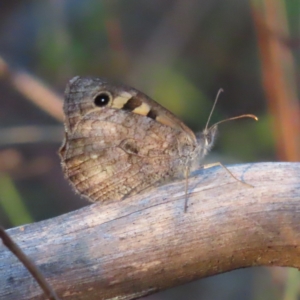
pixel 206 140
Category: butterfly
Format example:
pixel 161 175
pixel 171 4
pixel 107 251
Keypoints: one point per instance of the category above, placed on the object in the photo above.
pixel 119 142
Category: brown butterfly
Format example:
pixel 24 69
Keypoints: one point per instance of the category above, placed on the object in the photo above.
pixel 119 142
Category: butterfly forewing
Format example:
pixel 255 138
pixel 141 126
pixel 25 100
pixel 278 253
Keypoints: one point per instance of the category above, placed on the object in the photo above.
pixel 123 147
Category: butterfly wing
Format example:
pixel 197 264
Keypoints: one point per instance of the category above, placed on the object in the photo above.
pixel 111 152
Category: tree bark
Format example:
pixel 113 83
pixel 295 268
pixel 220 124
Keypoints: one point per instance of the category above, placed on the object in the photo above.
pixel 146 243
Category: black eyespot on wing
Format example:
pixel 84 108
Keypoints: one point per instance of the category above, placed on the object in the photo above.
pixel 102 99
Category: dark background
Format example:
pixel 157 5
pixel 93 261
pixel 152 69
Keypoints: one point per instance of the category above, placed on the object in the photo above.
pixel 179 53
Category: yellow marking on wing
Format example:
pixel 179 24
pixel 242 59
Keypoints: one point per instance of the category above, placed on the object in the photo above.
pixel 121 100
pixel 143 109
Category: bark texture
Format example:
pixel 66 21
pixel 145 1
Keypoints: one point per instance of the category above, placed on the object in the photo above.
pixel 146 243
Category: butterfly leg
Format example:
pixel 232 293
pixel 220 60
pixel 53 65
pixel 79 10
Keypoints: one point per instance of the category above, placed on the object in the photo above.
pixel 186 175
pixel 208 166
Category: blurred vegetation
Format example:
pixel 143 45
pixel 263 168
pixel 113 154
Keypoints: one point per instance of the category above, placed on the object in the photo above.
pixel 179 53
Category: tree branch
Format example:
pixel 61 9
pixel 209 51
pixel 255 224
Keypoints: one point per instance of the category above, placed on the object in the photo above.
pixel 146 243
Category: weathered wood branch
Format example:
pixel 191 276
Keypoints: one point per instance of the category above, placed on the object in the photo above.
pixel 147 243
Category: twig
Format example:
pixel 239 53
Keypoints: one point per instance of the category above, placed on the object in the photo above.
pixel 146 243
pixel 30 134
pixel 279 76
pixel 28 264
pixel 33 89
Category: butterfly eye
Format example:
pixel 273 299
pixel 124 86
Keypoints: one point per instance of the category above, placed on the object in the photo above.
pixel 102 99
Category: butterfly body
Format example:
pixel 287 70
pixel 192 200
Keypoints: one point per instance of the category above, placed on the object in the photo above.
pixel 119 142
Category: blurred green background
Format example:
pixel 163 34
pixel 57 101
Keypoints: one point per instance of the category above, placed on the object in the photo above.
pixel 179 53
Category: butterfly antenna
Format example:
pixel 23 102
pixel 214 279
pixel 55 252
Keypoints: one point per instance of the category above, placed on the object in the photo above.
pixel 238 117
pixel 213 108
